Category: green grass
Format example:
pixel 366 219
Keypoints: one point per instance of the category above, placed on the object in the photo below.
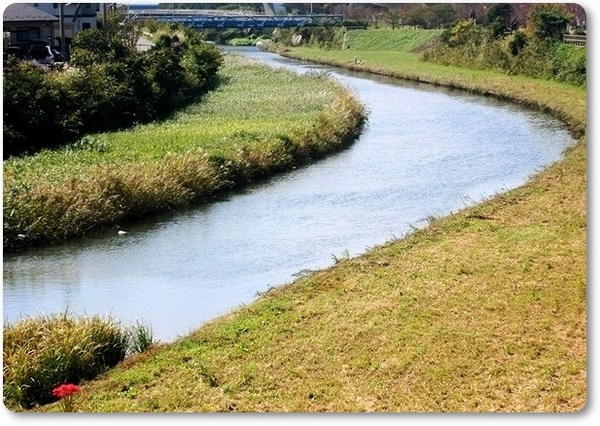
pixel 258 122
pixel 482 311
pixel 387 39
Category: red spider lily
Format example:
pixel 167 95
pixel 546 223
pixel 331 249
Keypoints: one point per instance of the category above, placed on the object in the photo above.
pixel 65 390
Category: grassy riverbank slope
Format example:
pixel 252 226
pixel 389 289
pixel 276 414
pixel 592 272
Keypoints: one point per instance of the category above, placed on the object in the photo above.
pixel 258 122
pixel 482 311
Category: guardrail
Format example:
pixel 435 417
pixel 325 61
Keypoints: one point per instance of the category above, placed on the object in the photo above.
pixel 210 19
pixel 577 40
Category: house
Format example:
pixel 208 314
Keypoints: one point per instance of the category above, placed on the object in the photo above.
pixel 49 21
pixel 23 23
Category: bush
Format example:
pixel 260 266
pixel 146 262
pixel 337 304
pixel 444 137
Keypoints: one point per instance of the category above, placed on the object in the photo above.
pixel 475 46
pixel 548 21
pixel 32 114
pixel 201 62
pixel 96 47
pixel 143 87
pixel 569 64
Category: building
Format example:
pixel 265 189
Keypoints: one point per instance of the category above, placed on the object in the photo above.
pixel 23 23
pixel 48 21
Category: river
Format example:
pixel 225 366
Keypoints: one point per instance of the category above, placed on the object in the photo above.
pixel 425 152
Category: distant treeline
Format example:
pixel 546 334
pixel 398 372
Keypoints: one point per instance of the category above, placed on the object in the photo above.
pixel 424 15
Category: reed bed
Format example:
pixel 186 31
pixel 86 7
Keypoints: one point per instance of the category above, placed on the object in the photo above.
pixel 260 121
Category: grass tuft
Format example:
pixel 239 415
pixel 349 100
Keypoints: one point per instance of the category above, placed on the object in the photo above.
pixel 44 352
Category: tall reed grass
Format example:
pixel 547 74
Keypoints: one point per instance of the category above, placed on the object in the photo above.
pixel 260 121
pixel 43 352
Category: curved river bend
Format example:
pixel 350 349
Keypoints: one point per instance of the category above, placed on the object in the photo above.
pixel 425 152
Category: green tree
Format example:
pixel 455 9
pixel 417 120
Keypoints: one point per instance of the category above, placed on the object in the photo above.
pixel 432 16
pixel 419 16
pixel 442 14
pixel 498 19
pixel 548 21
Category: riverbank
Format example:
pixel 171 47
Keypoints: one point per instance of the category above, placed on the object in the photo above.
pixel 565 102
pixel 257 123
pixel 482 311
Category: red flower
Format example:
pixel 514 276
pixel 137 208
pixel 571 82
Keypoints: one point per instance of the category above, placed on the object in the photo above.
pixel 65 390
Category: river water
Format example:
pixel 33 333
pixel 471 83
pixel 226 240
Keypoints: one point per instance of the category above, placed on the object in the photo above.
pixel 425 152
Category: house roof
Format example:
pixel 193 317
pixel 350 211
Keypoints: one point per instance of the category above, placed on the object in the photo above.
pixel 19 12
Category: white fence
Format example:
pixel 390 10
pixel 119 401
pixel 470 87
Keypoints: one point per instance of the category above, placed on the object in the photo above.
pixel 577 40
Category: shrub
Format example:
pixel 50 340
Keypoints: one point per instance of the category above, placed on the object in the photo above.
pixel 516 42
pixel 569 64
pixel 32 111
pixel 548 21
pixel 65 106
pixel 91 47
pixel 201 62
pixel 526 52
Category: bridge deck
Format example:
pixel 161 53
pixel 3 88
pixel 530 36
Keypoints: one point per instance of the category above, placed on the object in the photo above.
pixel 220 19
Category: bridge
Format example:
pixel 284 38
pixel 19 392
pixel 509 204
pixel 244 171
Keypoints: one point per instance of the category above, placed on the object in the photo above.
pixel 199 18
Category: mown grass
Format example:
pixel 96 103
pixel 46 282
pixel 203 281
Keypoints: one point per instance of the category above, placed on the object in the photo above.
pixel 482 311
pixel 387 39
pixel 259 122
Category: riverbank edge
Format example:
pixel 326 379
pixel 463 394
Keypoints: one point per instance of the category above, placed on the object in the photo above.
pixel 476 83
pixel 568 175
pixel 107 195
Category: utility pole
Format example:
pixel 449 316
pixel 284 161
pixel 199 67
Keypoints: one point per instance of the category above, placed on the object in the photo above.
pixel 104 23
pixel 61 24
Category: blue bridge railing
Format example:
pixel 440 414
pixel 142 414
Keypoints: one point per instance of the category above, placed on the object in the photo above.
pixel 211 19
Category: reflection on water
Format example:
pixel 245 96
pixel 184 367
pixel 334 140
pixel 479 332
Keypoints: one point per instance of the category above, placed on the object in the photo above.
pixel 425 152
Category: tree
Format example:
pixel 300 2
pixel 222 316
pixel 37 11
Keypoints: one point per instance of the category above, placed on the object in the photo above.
pixel 432 16
pixel 442 14
pixel 418 16
pixel 393 18
pixel 548 21
pixel 498 19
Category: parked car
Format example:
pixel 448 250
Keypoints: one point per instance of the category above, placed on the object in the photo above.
pixel 15 52
pixel 42 54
